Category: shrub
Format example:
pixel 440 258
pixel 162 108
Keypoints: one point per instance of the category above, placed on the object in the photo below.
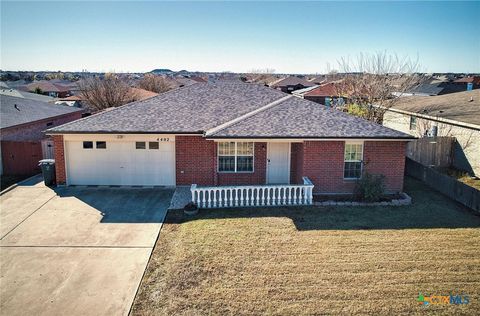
pixel 370 188
pixel 357 110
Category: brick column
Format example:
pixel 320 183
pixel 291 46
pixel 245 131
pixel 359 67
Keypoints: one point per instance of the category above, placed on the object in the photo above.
pixel 59 159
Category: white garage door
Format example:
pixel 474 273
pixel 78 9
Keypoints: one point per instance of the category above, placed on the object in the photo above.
pixel 120 163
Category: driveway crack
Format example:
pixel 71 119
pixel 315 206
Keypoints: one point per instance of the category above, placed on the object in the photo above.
pixel 27 217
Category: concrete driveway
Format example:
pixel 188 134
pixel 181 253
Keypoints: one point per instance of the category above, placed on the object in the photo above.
pixel 76 251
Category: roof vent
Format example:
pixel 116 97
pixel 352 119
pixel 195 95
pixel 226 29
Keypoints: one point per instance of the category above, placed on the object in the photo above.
pixel 16 107
pixel 471 99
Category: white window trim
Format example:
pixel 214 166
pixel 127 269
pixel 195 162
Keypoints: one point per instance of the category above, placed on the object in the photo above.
pixel 361 161
pixel 235 155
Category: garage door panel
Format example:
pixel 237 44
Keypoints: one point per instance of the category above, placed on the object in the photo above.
pixel 120 164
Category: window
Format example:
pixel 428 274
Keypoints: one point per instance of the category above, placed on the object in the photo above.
pixel 101 145
pixel 413 123
pixel 235 157
pixel 87 145
pixel 353 160
pixel 153 145
pixel 140 145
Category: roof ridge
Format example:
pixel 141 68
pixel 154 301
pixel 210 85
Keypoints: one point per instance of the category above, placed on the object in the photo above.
pixel 116 108
pixel 246 115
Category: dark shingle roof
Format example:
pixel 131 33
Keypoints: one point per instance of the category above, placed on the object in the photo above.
pixel 461 106
pixel 27 110
pixel 426 88
pixel 292 81
pixel 298 118
pixel 191 109
pixel 46 86
pixel 205 106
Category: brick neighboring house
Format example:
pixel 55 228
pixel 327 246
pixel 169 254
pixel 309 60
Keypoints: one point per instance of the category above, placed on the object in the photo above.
pixel 227 134
pixel 46 87
pixel 23 123
pixel 319 94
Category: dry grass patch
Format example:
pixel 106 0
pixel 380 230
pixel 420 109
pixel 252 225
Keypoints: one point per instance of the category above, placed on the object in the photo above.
pixel 315 260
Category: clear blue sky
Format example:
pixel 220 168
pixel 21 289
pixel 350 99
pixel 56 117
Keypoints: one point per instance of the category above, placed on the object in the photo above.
pixel 300 37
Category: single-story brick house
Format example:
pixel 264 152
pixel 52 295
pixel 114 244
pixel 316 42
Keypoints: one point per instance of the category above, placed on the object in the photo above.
pixel 23 123
pixel 215 134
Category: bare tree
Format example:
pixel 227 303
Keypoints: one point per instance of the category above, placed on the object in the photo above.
pixel 155 83
pixel 424 126
pixel 372 82
pixel 111 91
pixel 263 76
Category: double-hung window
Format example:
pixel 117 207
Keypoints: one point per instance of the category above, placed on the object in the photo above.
pixel 235 157
pixel 353 160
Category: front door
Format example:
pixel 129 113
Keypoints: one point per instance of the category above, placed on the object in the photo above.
pixel 278 163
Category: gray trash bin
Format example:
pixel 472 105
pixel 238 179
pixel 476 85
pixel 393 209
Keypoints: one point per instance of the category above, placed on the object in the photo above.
pixel 48 171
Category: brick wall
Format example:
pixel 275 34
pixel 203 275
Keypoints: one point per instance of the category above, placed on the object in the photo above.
pixel 296 163
pixel 59 152
pixel 195 160
pixel 387 158
pixel 323 164
pixel 256 177
pixel 35 130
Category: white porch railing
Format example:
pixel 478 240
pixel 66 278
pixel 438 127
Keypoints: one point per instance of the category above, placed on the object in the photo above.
pixel 253 195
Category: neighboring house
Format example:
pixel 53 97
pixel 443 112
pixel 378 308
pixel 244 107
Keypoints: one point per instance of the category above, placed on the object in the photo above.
pixel 440 85
pixel 460 85
pixel 227 134
pixel 15 84
pixel 183 82
pixel 27 95
pixel 475 80
pixel 265 79
pixel 301 92
pixel 136 94
pixel 327 94
pixel 23 123
pixel 424 89
pixel 429 86
pixel 73 100
pixel 318 80
pixel 455 114
pixel 290 84
pixel 46 87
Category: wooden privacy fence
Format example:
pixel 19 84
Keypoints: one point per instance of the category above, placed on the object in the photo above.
pixel 445 184
pixel 432 151
pixel 47 149
pixel 21 158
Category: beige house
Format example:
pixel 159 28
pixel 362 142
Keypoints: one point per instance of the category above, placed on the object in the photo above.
pixel 455 114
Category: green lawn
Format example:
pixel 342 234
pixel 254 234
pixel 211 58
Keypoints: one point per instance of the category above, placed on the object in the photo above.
pixel 315 260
